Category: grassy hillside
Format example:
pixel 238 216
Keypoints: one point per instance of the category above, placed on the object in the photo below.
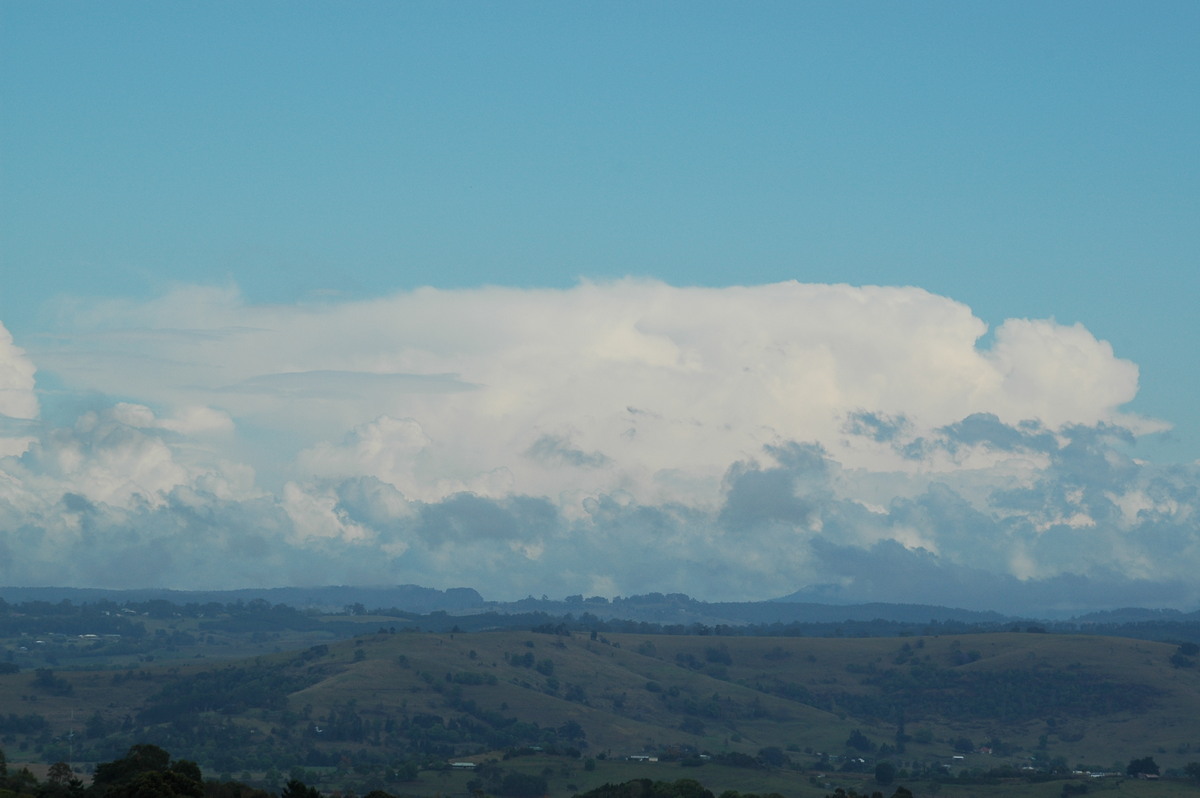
pixel 365 707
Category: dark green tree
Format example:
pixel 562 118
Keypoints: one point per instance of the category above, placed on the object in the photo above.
pixel 139 759
pixel 571 730
pixel 59 773
pixel 859 741
pixel 60 783
pixel 44 679
pixel 298 789
pixel 147 771
pixel 1146 766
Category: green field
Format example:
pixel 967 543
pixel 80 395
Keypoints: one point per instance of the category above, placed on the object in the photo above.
pixel 352 712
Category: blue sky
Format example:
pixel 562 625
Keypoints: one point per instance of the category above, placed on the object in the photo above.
pixel 243 164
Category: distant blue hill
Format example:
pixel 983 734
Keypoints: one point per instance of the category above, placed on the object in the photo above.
pixel 409 598
pixel 674 609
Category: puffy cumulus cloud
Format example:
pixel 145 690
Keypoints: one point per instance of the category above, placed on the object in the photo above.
pixel 17 399
pixel 729 443
pixel 114 499
pixel 125 455
pixel 18 402
pixel 1058 375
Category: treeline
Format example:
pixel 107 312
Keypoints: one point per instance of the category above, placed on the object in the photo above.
pixel 1181 632
pixel 65 618
pixel 107 617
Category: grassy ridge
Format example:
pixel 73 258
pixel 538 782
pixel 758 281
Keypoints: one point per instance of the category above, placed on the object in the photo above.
pixel 1094 701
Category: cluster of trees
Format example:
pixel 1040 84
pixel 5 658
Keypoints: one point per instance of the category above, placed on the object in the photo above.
pixel 146 771
pixel 230 690
pixel 1185 655
pixel 44 679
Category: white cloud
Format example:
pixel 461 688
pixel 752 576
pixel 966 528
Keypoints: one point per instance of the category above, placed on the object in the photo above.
pixel 1058 375
pixel 646 376
pixel 18 401
pixel 194 420
pixel 631 434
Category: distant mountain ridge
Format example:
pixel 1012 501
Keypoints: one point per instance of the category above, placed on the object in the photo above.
pixel 410 598
pixel 666 609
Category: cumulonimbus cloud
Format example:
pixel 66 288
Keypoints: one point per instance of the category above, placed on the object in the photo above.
pixel 721 434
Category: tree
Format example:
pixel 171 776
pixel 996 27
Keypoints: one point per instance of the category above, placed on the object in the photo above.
pixel 139 759
pixel 44 679
pixel 1193 771
pixel 298 789
pixel 59 773
pixel 859 741
pixel 571 730
pixel 1142 767
pixel 147 771
pixel 885 773
pixel 61 783
pixel 188 769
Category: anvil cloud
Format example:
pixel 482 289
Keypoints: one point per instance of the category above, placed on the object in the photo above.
pixel 612 438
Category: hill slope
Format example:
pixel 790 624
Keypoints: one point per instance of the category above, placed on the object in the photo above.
pixel 387 698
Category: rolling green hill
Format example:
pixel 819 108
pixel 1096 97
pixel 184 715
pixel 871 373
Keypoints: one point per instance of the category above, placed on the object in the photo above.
pixel 377 706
